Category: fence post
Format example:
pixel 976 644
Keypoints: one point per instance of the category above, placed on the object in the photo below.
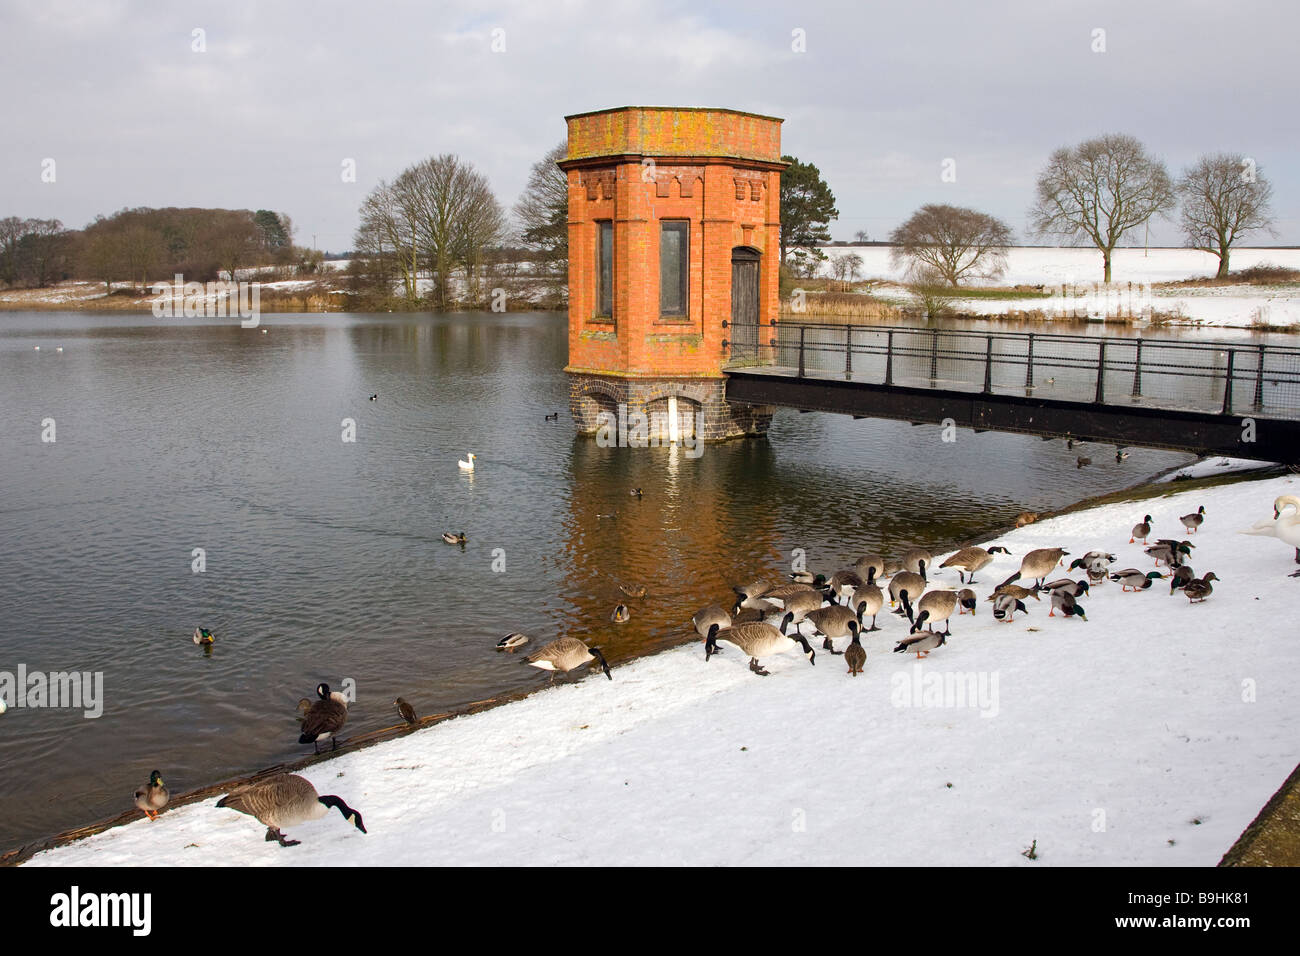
pixel 1137 370
pixel 1101 372
pixel 934 355
pixel 848 353
pixel 1259 381
pixel 889 358
pixel 988 365
pixel 802 329
pixel 1227 383
pixel 1029 366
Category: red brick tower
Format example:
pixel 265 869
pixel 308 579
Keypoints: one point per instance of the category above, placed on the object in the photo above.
pixel 674 254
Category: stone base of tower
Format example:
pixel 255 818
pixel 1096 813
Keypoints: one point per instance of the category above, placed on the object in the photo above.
pixel 641 406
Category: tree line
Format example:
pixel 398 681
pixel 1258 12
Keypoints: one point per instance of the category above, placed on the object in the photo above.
pixel 134 245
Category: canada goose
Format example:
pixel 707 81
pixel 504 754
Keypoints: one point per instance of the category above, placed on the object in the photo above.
pixel 1135 580
pixel 757 640
pixel 1284 527
pixel 512 642
pixel 750 615
pixel 916 560
pixel 1039 563
pixel 868 599
pixel 1065 602
pixel 566 654
pixel 761 605
pixel 405 710
pixel 706 617
pixel 904 586
pixel 325 719
pixel 633 590
pixel 922 644
pixel 203 636
pixel 783 592
pixel 855 655
pixel 1069 586
pixel 454 538
pixel 802 603
pixel 972 559
pixel 1194 520
pixel 842 584
pixel 304 707
pixel 153 796
pixel 635 493
pixel 1142 530
pixel 1005 607
pixel 621 614
pixel 1082 462
pixel 754 589
pixel 1179 578
pixel 967 600
pixel 285 800
pixel 467 464
pixel 935 606
pixel 829 622
pixel 870 567
pixel 1198 589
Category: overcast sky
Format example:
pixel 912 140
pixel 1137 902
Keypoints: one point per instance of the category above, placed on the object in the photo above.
pixel 284 92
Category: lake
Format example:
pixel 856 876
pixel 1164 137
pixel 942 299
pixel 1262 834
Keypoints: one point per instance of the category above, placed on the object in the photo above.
pixel 323 558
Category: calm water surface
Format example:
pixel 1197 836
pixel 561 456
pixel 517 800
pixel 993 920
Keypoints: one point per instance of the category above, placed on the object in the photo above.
pixel 324 558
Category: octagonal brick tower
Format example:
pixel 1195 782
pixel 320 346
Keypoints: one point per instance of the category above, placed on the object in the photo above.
pixel 674 253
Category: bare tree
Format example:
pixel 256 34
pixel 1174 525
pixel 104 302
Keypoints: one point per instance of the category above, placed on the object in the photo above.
pixel 861 235
pixel 387 233
pixel 1224 196
pixel 951 242
pixel 44 249
pixel 12 229
pixel 1101 189
pixel 543 212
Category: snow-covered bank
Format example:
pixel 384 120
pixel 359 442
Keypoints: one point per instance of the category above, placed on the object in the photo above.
pixel 1152 733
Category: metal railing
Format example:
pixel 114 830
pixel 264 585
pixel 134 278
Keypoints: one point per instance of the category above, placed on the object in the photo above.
pixel 1219 377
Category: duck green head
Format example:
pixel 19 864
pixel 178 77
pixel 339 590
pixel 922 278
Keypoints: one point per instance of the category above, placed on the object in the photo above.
pixel 155 779
pixel 1154 575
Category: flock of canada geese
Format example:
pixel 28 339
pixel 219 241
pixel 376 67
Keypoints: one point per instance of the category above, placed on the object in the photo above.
pixel 768 618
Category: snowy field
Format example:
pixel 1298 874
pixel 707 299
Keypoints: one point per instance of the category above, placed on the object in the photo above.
pixel 1150 734
pixel 1223 306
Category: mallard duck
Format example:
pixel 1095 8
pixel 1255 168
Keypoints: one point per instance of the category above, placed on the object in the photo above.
pixel 512 642
pixel 1064 601
pixel 1120 455
pixel 972 559
pixel 203 636
pixel 565 654
pixel 405 710
pixel 553 417
pixel 921 644
pixel 1284 527
pixel 1071 587
pixel 967 600
pixel 621 614
pixel 807 577
pixel 1141 530
pixel 1005 607
pixel 153 796
pixel 855 654
pixel 1179 578
pixel 1198 589
pixel 935 606
pixel 374 397
pixel 635 493
pixel 285 800
pixel 454 538
pixel 325 718
pixel 1082 461
pixel 1135 580
pixel 633 590
pixel 467 463
pixel 868 599
pixel 1170 553
pixel 757 640
pixel 1194 520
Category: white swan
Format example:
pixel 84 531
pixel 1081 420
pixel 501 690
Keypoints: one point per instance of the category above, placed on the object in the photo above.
pixel 467 464
pixel 1284 527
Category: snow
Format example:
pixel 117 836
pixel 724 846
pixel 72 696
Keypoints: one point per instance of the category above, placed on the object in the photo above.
pixel 1211 467
pixel 1150 734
